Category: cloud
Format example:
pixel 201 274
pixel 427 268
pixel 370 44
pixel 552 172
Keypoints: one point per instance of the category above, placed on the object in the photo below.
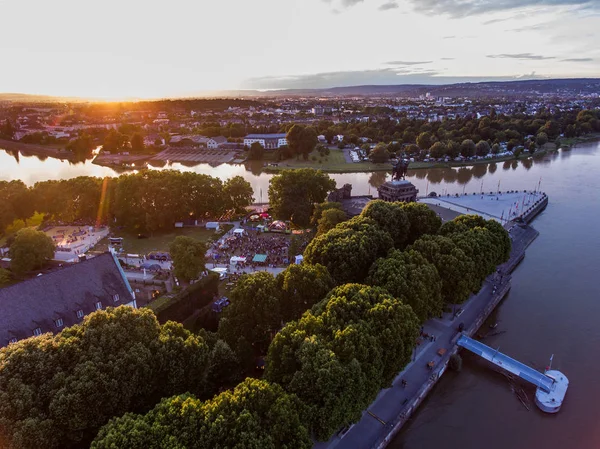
pixel 578 60
pixel 448 59
pixel 368 77
pixel 407 62
pixel 387 6
pixel 521 56
pixel 461 8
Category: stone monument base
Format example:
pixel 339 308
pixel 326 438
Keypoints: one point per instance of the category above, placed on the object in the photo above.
pixel 403 191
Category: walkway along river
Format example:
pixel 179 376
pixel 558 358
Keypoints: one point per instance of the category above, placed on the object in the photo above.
pixel 552 307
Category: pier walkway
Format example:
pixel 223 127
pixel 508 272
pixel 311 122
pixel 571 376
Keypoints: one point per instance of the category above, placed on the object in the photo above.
pixel 507 363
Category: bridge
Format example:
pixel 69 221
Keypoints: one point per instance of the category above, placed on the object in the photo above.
pixel 541 381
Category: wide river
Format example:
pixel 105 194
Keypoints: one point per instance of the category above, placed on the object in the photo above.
pixel 553 307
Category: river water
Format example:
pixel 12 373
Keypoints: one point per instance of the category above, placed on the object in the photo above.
pixel 553 307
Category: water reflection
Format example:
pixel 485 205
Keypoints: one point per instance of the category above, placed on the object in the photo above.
pixel 480 170
pixel 527 163
pixel 493 167
pixel 377 178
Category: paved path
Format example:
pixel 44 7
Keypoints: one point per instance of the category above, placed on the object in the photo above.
pixel 390 403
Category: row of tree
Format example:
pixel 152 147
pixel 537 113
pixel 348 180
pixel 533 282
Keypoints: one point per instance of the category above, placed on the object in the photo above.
pixel 57 391
pixel 149 201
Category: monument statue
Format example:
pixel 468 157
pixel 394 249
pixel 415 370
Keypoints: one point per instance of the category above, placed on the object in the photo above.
pixel 399 170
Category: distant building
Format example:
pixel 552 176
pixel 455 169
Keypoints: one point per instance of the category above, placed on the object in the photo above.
pixel 54 301
pixel 403 191
pixel 268 141
pixel 216 142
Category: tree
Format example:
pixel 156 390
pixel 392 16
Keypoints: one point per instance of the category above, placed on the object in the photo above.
pixel 302 286
pixel 379 154
pixel 189 257
pixel 114 141
pixel 302 140
pixel 424 141
pixel 330 218
pixel 238 193
pixel 254 314
pixel 410 277
pixel 339 355
pixel 30 250
pixel 322 207
pixel 349 250
pixel 293 193
pixel 456 269
pixel 7 131
pixel 496 149
pixel 482 148
pixel 16 202
pixel 81 147
pixel 256 414
pixel 422 221
pixel 390 217
pixel 438 150
pixel 137 144
pixel 467 148
pixel 5 277
pixel 541 139
pixel 57 391
pixel 256 152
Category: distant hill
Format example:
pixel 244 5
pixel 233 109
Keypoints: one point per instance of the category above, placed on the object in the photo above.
pixel 486 89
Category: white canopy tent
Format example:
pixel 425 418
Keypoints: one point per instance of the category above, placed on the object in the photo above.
pixel 299 259
pixel 239 232
pixel 213 225
pixel 236 259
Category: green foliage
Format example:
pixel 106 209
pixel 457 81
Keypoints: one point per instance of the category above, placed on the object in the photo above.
pixel 254 314
pixel 57 391
pixel 320 208
pixel 330 218
pixel 7 130
pixel 422 221
pixel 256 414
pixel 82 146
pixel 424 141
pixel 339 355
pixel 189 257
pixel 456 269
pixel 293 193
pixel 410 277
pixel 468 148
pixel 237 194
pixel 349 250
pixel 482 148
pixel 379 154
pixel 390 217
pixel 5 277
pixel 115 141
pixel 302 286
pixel 15 203
pixel 137 144
pixel 256 152
pixel 302 140
pixel 30 250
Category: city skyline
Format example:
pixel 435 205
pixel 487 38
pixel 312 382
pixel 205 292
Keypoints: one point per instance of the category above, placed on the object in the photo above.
pixel 148 50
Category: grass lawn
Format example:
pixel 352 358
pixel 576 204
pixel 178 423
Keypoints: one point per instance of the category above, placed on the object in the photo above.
pixel 160 241
pixel 334 162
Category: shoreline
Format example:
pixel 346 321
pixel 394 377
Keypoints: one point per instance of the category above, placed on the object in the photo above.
pixel 32 149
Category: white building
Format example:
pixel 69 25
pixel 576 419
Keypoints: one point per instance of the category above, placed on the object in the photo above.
pixel 268 141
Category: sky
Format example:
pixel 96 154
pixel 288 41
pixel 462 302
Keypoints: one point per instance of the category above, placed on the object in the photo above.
pixel 115 49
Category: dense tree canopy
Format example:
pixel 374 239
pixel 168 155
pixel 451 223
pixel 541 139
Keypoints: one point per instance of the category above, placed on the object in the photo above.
pixel 456 269
pixel 15 203
pixel 293 193
pixel 256 414
pixel 422 221
pixel 340 354
pixel 57 391
pixel 254 314
pixel 330 218
pixel 349 250
pixel 410 277
pixel 256 152
pixel 189 257
pixel 390 217
pixel 30 250
pixel 300 287
pixel 302 140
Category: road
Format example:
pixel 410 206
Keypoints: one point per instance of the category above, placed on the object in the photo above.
pixel 376 421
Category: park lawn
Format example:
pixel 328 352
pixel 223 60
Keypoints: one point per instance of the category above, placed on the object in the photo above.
pixel 160 241
pixel 334 162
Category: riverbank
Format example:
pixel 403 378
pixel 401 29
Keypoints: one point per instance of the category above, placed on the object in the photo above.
pixel 393 407
pixel 30 149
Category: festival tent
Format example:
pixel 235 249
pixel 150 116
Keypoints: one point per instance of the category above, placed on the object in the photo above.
pixel 277 225
pixel 236 259
pixel 213 225
pixel 299 259
pixel 239 232
pixel 259 258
